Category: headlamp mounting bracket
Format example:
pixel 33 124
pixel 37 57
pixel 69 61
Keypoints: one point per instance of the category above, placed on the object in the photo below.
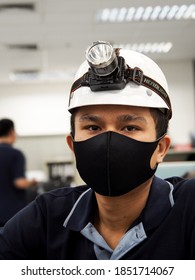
pixel 137 76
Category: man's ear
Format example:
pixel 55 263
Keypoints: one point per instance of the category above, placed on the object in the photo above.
pixel 69 141
pixel 163 147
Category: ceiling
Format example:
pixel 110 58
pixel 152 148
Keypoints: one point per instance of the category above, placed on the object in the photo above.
pixel 51 36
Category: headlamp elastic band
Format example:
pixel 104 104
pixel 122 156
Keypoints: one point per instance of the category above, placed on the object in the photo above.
pixel 136 75
pixel 131 75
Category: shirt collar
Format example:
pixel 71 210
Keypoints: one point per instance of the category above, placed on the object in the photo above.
pixel 82 211
pixel 157 207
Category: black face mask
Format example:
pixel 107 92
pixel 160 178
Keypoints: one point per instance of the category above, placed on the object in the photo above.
pixel 113 164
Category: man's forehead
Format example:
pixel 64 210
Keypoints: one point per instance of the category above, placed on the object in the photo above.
pixel 117 113
pixel 120 110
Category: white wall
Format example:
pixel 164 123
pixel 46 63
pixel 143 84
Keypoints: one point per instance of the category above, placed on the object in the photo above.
pixel 180 76
pixel 37 109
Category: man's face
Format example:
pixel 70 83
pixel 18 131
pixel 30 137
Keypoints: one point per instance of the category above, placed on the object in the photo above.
pixel 130 121
pixel 134 122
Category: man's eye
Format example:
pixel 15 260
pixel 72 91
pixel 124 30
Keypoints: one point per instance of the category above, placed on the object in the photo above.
pixel 93 128
pixel 130 128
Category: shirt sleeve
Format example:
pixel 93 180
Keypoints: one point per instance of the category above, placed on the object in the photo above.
pixel 19 165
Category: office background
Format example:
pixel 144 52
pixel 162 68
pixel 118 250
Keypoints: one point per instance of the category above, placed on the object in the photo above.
pixel 43 42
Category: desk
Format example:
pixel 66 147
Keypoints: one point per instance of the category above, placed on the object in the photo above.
pixel 176 168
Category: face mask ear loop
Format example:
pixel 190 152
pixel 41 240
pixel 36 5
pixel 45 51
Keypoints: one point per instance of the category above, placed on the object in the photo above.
pixel 72 135
pixel 161 137
pixel 157 141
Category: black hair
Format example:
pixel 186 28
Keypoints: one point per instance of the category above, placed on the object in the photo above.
pixel 6 125
pixel 161 121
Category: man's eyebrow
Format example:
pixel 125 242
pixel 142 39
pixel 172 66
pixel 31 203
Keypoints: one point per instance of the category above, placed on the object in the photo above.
pixel 87 117
pixel 121 118
pixel 127 117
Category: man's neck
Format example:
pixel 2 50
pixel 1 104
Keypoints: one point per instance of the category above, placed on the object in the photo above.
pixel 6 140
pixel 116 214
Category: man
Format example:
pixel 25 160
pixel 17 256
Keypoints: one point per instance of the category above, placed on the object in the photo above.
pixel 12 173
pixel 120 112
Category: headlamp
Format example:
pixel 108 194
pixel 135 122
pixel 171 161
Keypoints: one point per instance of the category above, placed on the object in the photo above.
pixel 102 58
pixel 108 71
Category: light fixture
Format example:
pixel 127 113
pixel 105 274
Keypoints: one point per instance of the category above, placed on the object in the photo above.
pixel 161 47
pixel 166 12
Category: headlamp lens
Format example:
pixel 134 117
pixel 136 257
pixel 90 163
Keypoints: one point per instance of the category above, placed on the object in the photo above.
pixel 101 58
pixel 100 52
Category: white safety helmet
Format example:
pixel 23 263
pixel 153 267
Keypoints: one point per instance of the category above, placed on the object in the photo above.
pixel 102 80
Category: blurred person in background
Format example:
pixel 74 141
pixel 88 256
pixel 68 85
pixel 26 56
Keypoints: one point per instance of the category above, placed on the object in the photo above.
pixel 13 183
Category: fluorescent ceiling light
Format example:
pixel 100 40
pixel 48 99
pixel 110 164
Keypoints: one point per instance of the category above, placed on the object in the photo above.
pixel 147 47
pixel 167 12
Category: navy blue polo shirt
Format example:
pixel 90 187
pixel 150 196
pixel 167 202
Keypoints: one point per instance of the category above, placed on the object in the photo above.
pixel 12 167
pixel 58 225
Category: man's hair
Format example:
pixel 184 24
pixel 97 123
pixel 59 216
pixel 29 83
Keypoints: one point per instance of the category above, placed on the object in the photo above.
pixel 161 121
pixel 6 125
